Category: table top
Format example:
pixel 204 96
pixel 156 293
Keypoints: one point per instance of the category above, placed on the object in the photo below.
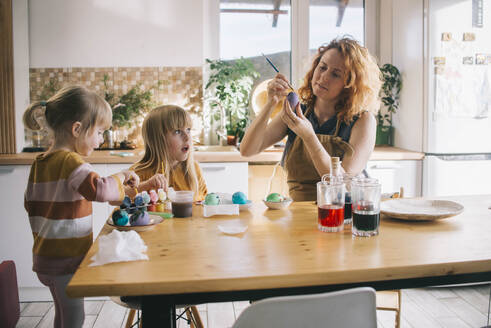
pixel 284 249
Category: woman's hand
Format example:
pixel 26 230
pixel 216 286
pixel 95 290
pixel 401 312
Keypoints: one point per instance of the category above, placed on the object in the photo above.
pixel 277 88
pixel 298 123
pixel 130 178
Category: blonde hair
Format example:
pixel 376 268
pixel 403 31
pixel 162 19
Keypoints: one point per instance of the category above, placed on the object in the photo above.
pixel 157 124
pixel 69 105
pixel 362 80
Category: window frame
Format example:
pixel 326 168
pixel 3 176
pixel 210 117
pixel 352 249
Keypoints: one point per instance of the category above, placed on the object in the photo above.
pixel 299 33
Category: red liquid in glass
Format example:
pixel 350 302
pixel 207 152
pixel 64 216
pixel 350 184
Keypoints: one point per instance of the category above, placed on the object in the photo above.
pixel 331 215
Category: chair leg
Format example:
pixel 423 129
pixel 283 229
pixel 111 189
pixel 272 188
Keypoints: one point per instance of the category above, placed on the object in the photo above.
pixel 398 312
pixel 131 316
pixel 197 317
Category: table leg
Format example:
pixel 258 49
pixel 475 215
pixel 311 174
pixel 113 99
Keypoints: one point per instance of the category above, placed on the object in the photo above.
pixel 158 313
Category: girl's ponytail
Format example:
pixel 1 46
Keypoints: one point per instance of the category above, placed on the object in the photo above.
pixel 32 115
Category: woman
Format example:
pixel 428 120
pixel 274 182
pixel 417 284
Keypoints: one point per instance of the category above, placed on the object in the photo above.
pixel 336 118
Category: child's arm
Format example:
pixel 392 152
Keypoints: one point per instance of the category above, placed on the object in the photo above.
pixel 155 182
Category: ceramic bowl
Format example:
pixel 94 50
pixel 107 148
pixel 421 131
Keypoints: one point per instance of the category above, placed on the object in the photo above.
pixel 278 205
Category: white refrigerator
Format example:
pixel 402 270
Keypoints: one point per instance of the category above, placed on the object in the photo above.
pixel 457 122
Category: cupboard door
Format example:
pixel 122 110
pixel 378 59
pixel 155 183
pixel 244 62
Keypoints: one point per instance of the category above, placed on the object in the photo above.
pixel 395 174
pixel 226 177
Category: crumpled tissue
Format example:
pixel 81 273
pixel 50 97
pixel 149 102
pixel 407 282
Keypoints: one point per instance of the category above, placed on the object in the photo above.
pixel 120 246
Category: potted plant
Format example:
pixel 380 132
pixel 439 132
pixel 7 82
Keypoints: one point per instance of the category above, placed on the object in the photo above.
pixel 389 93
pixel 129 108
pixel 229 87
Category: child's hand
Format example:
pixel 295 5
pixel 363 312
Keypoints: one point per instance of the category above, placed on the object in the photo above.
pixel 131 178
pixel 156 182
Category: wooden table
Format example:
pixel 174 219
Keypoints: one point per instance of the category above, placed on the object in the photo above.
pixel 283 253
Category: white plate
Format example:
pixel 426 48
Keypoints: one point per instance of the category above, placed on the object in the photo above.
pixel 420 209
pixel 154 220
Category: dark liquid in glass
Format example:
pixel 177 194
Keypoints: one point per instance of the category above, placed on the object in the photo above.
pixel 366 221
pixel 182 209
pixel 330 215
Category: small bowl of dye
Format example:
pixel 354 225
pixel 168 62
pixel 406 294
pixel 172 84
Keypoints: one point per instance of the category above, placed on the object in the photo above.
pixel 276 201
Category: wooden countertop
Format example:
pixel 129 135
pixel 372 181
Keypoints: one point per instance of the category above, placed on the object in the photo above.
pixel 269 156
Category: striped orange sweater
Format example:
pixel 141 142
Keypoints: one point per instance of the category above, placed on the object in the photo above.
pixel 58 200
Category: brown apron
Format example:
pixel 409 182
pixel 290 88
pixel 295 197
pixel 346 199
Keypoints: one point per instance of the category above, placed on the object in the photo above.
pixel 302 175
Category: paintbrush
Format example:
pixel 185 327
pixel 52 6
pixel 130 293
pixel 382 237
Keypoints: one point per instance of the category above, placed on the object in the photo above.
pixel 277 71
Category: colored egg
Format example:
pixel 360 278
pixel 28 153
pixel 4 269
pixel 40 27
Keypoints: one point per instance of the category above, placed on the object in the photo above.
pixel 145 197
pixel 239 198
pixel 212 199
pixel 126 202
pixel 162 194
pixel 292 99
pixel 153 196
pixel 120 217
pixel 274 197
pixel 139 218
pixel 139 200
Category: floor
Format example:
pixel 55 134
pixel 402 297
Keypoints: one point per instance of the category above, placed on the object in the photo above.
pixel 465 306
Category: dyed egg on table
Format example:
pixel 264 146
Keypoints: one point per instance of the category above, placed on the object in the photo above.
pixel 139 218
pixel 239 198
pixel 212 199
pixel 120 217
pixel 275 198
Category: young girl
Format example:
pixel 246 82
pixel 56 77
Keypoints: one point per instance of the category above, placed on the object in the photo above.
pixel 168 159
pixel 61 189
pixel 340 98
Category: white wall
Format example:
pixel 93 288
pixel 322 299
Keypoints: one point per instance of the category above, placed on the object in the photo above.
pixel 107 33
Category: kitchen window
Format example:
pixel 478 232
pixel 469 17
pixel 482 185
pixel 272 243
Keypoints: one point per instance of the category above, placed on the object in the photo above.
pixel 287 31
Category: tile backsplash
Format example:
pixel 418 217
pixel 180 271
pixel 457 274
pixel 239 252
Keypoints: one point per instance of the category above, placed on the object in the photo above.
pixel 181 86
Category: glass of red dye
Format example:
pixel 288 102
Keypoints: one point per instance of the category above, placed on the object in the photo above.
pixel 365 196
pixel 330 205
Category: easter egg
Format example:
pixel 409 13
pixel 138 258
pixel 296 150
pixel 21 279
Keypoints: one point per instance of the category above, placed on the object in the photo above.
pixel 274 197
pixel 239 198
pixel 153 196
pixel 120 217
pixel 139 218
pixel 139 200
pixel 162 194
pixel 292 99
pixel 212 199
pixel 126 202
pixel 145 197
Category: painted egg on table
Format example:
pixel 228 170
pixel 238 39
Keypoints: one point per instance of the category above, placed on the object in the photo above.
pixel 126 202
pixel 239 198
pixel 145 197
pixel 212 199
pixel 139 218
pixel 275 197
pixel 139 200
pixel 120 217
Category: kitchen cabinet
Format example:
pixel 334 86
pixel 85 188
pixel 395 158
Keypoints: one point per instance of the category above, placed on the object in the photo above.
pixel 395 174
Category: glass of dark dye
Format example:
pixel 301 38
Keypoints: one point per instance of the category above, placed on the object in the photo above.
pixel 182 203
pixel 365 197
pixel 330 206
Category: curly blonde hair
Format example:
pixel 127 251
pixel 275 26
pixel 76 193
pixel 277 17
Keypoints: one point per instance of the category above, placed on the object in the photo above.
pixel 362 81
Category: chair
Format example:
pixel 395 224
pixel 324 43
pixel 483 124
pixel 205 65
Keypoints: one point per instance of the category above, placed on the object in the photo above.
pixel 346 308
pixel 9 295
pixel 134 305
pixel 390 300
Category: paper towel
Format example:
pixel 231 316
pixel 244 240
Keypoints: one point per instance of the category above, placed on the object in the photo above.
pixel 120 246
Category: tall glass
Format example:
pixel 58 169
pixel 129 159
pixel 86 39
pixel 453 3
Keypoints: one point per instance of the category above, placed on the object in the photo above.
pixel 365 196
pixel 330 206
